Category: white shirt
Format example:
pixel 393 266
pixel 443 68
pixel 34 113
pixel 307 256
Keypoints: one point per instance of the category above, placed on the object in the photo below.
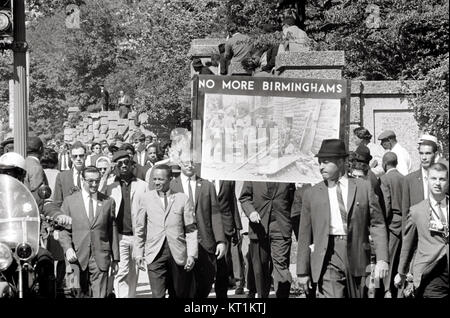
pixel 75 176
pixel 86 198
pixel 425 183
pixel 403 159
pixel 161 197
pixel 336 225
pixel 184 183
pixel 377 153
pixel 444 208
pixel 216 185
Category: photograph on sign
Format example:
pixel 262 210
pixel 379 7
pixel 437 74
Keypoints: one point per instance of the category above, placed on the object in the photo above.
pixel 259 137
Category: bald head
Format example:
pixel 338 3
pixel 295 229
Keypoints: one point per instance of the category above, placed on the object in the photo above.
pixel 389 160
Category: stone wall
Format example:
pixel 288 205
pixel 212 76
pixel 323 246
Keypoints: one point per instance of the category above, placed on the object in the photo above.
pixel 100 126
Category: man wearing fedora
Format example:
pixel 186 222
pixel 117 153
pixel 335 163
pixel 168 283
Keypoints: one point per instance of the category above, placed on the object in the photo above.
pixel 360 159
pixel 338 214
pixel 389 142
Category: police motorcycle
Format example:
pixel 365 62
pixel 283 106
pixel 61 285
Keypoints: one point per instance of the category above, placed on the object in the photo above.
pixel 26 267
pixel 19 237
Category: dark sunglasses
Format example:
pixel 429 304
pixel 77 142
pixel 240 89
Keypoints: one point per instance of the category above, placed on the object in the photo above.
pixel 125 162
pixel 92 181
pixel 78 156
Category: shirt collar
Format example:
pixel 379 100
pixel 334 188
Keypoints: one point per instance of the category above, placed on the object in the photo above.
pixel 424 172
pixel 34 157
pixel 86 195
pixel 391 169
pixel 162 196
pixel 185 178
pixel 434 203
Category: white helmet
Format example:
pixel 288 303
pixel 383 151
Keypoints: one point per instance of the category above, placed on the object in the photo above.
pixel 12 159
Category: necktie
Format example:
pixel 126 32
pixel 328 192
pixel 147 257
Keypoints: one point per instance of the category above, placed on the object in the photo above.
pixel 441 214
pixel 191 196
pixel 425 178
pixel 78 179
pixel 91 210
pixel 342 209
pixel 165 200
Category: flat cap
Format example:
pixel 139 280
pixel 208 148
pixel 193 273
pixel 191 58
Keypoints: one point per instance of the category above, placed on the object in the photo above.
pixel 119 155
pixel 386 134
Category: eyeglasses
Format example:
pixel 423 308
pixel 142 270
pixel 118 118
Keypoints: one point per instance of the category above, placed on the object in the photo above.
pixel 78 156
pixel 92 181
pixel 125 162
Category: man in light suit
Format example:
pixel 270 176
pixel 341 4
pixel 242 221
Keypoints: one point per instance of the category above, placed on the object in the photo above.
pixel 337 217
pixel 211 236
pixel 426 234
pixel 268 207
pixel 124 191
pixel 69 180
pixel 92 245
pixel 392 188
pixel 166 237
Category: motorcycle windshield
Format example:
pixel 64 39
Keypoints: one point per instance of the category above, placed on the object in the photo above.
pixel 19 214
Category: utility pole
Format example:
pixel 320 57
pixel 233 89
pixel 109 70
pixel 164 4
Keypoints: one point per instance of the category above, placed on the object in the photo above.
pixel 19 48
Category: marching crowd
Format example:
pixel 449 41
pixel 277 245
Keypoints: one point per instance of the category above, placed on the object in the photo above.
pixel 127 207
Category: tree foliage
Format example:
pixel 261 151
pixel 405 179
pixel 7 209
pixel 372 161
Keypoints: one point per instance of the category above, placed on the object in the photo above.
pixel 142 47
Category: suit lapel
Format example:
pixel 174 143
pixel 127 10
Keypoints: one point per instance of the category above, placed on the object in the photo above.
pixel 198 189
pixel 170 200
pixel 325 199
pixel 350 196
pixel 420 178
pixel 116 194
pixel 79 203
pixel 99 209
pixel 177 186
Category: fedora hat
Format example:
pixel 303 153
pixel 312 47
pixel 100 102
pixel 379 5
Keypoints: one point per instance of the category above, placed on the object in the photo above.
pixel 332 148
pixel 362 154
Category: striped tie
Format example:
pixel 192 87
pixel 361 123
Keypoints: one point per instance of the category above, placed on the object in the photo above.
pixel 342 209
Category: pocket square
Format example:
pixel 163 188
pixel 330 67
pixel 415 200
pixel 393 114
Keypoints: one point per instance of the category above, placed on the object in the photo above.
pixel 311 247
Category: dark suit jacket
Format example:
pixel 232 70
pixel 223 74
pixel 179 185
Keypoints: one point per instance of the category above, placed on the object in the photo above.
pixel 63 186
pixel 102 234
pixel 140 171
pixel 412 193
pixel 430 248
pixel 364 218
pixel 392 188
pixel 35 177
pixel 207 213
pixel 228 208
pixel 255 197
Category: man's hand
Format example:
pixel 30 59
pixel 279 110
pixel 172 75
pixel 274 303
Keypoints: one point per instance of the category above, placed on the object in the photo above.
pixel 189 264
pixel 220 250
pixel 71 255
pixel 381 269
pixel 254 217
pixel 63 220
pixel 140 261
pixel 399 280
pixel 305 283
pixel 114 267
